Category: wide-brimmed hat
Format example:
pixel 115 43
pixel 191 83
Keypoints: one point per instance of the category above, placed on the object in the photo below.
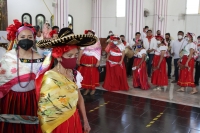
pixel 67 37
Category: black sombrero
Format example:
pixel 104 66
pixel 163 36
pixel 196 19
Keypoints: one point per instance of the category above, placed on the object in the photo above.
pixel 67 37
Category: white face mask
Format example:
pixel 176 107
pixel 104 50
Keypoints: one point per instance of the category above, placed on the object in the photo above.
pixel 158 42
pixel 115 42
pixel 186 38
pixel 180 37
pixel 110 33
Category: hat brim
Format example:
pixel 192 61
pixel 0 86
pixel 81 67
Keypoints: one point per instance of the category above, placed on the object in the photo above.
pixel 82 40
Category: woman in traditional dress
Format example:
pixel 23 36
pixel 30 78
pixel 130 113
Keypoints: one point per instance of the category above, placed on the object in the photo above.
pixel 18 69
pixel 159 75
pixel 116 78
pixel 58 91
pixel 186 64
pixel 140 77
pixel 89 61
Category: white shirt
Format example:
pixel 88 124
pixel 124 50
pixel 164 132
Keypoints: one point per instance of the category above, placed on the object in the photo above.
pixel 151 45
pixel 2 52
pixel 177 46
pixel 139 54
pixel 144 35
pixel 159 49
pixel 186 50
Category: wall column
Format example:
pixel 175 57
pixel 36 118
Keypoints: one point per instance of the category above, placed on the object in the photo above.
pixel 96 17
pixel 134 17
pixel 160 16
pixel 61 13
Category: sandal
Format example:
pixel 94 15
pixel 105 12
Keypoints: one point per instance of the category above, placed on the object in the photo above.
pixel 180 90
pixel 193 92
pixel 92 92
pixel 86 92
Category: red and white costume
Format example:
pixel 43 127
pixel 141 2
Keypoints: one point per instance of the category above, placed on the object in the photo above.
pixel 115 79
pixel 159 76
pixel 91 55
pixel 140 77
pixel 186 77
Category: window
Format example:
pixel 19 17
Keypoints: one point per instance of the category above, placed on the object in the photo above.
pixel 192 7
pixel 121 4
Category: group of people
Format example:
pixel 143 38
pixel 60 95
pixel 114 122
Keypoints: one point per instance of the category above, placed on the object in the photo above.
pixel 151 56
pixel 39 84
pixel 40 92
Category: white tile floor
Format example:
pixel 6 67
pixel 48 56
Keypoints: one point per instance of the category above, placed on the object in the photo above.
pixel 170 95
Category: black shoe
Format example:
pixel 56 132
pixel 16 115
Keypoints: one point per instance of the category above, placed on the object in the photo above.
pixel 174 81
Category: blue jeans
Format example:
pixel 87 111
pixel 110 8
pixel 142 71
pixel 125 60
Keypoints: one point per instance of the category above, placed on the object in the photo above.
pixel 149 64
pixel 176 69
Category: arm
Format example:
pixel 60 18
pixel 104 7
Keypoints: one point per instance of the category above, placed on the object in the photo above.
pixel 81 107
pixel 79 56
pixel 143 58
pixel 161 58
pixel 108 54
pixel 190 56
pixel 123 54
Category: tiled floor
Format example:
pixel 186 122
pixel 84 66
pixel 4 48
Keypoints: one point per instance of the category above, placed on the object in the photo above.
pixel 170 95
pixel 110 112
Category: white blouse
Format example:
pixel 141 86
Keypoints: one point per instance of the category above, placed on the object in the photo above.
pixel 121 48
pixel 31 85
pixel 139 54
pixel 159 49
pixel 186 50
pixel 79 79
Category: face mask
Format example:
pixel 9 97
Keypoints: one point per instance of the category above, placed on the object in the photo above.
pixel 68 63
pixel 25 44
pixel 158 42
pixel 110 33
pixel 180 37
pixel 139 46
pixel 115 42
pixel 186 38
pixel 146 30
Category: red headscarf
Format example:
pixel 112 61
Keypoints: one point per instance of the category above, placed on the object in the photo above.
pixel 59 51
pixel 53 32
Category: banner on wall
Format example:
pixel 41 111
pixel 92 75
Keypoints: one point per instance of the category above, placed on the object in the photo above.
pixel 3 37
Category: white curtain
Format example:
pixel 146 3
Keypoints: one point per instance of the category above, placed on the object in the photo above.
pixel 61 13
pixel 96 17
pixel 134 17
pixel 160 16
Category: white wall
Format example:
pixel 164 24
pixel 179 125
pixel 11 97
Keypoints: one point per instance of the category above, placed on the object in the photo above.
pixel 109 19
pixel 18 7
pixel 81 10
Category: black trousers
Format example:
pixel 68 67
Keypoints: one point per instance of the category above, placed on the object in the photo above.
pixel 197 72
pixel 169 65
pixel 176 69
pixel 129 66
pixel 149 64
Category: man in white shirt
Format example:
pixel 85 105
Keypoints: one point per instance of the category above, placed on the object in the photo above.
pixel 2 52
pixel 177 46
pixel 197 67
pixel 150 44
pixel 169 59
pixel 144 33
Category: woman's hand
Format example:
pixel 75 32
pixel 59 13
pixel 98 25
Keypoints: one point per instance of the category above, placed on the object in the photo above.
pixel 120 62
pixel 78 62
pixel 98 63
pixel 186 65
pixel 86 127
pixel 155 68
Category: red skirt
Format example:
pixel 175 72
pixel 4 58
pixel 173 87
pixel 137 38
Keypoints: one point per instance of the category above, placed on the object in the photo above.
pixel 90 74
pixel 186 77
pixel 19 103
pixel 159 76
pixel 72 125
pixel 115 79
pixel 140 78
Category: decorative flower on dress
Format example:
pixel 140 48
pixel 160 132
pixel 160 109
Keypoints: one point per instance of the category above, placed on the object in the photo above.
pixel 53 32
pixel 13 70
